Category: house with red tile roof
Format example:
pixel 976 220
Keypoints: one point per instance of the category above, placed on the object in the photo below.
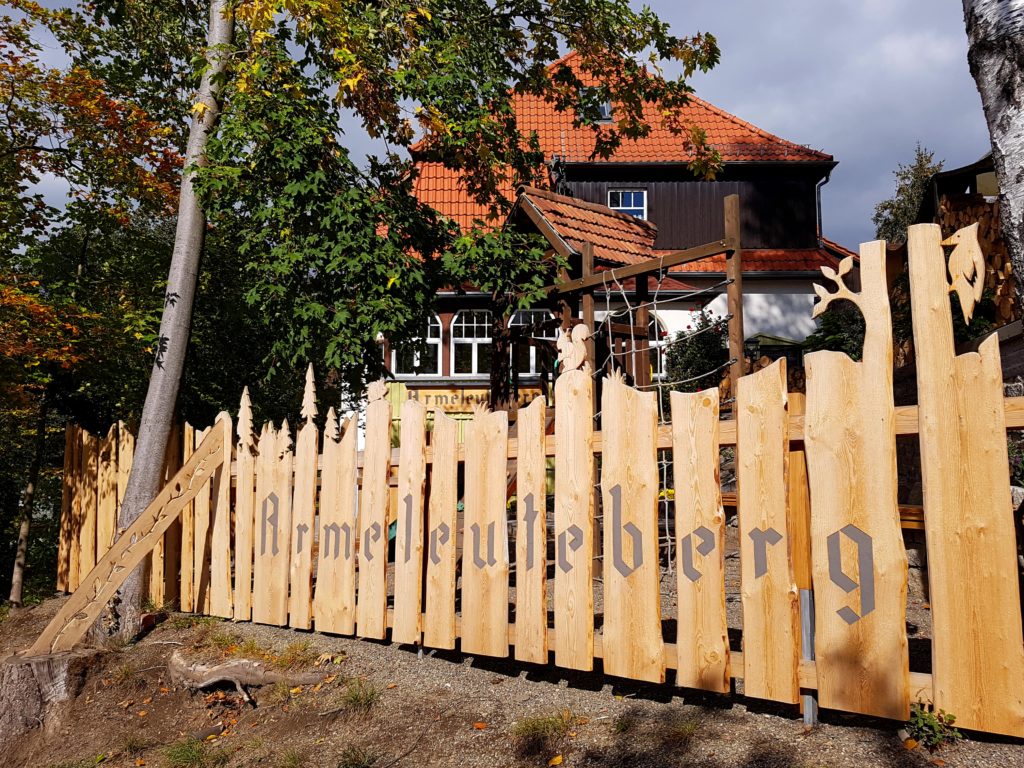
pixel 643 202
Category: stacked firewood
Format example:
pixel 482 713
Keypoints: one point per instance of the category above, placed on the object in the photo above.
pixel 957 211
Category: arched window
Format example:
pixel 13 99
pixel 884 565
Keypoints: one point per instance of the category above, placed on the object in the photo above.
pixel 471 343
pixel 527 358
pixel 414 360
pixel 657 342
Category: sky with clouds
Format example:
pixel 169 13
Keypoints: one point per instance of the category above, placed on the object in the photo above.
pixel 863 80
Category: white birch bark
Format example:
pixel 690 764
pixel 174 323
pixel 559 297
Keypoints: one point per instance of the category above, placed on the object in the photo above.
pixel 146 476
pixel 995 33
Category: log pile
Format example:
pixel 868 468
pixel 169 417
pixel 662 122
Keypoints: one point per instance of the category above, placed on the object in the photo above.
pixel 957 211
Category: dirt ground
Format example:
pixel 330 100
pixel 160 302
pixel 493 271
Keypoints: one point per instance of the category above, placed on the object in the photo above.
pixel 381 705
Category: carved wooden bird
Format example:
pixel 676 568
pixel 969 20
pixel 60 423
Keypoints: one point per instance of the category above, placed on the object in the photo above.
pixel 966 268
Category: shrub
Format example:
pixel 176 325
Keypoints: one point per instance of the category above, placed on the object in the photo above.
pixel 931 728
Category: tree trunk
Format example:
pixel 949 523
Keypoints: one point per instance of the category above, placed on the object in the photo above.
pixel 158 412
pixel 28 500
pixel 500 396
pixel 995 34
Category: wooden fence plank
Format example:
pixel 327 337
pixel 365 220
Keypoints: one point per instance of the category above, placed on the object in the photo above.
pixel 702 632
pixel 485 553
pixel 201 543
pixel 87 531
pixel 220 528
pixel 859 563
pixel 771 619
pixel 186 594
pixel 412 475
pixel 531 536
pixel 300 600
pixel 245 509
pixel 574 514
pixel 171 546
pixel 372 597
pixel 78 492
pixel 629 484
pixel 106 495
pixel 439 625
pixel 268 516
pixel 334 600
pixel 977 649
pixel 66 498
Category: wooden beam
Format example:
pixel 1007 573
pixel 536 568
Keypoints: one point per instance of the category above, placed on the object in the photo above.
pixel 588 301
pixel 641 360
pixel 648 267
pixel 734 290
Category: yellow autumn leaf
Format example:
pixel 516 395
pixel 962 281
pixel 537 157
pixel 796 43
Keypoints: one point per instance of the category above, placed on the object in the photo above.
pixel 200 108
pixel 556 760
pixel 392 280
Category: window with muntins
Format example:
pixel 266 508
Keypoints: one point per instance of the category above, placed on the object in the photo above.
pixel 631 201
pixel 416 360
pixel 526 358
pixel 657 342
pixel 471 343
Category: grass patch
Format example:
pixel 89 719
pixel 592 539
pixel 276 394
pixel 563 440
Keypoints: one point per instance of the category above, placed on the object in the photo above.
pixel 361 695
pixel 298 654
pixel 680 732
pixel 291 758
pixel 133 745
pixel 275 695
pixel 542 733
pixel 357 757
pixel 190 621
pixel 626 722
pixel 193 753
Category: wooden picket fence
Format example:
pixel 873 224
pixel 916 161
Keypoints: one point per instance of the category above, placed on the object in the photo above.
pixel 296 532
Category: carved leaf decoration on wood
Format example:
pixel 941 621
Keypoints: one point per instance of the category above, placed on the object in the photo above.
pixel 842 290
pixel 966 268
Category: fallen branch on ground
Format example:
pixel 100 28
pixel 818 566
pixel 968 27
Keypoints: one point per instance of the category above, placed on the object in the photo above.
pixel 196 675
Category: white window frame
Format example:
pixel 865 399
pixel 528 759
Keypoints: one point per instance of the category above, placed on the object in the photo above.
pixel 434 322
pixel 626 208
pixel 474 341
pixel 534 315
pixel 659 345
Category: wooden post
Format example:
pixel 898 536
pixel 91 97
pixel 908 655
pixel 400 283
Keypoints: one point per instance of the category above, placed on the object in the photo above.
pixel 734 291
pixel 588 301
pixel 641 357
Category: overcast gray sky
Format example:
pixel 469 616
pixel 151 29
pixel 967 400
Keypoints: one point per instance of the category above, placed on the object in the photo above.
pixel 861 79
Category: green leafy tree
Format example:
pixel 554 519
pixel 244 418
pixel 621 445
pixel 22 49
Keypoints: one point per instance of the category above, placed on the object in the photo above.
pixel 697 354
pixel 893 216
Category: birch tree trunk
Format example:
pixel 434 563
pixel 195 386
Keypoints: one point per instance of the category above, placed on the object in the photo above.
pixel 158 412
pixel 995 34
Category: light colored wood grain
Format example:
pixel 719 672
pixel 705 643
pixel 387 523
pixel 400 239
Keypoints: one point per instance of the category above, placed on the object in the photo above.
pixel 186 594
pixel 334 599
pixel 125 453
pixel 221 598
pixel 300 599
pixel 859 563
pixel 106 496
pixel 81 610
pixel 172 537
pixel 66 523
pixel 771 619
pixel 702 632
pixel 799 500
pixel 201 542
pixel 574 513
pixel 629 488
pixel 412 476
pixel 485 535
pixel 267 538
pixel 245 509
pixel 77 493
pixel 372 598
pixel 87 532
pixel 439 621
pixel 977 647
pixel 531 536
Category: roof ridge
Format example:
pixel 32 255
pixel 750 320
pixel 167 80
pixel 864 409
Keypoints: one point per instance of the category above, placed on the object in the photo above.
pixel 604 210
pixel 693 98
